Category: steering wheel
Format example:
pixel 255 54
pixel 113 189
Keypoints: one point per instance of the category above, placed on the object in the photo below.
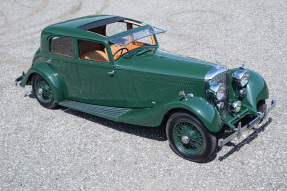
pixel 121 49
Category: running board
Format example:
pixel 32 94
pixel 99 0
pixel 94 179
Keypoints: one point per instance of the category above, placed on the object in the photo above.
pixel 102 111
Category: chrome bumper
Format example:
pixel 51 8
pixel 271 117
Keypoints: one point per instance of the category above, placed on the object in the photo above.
pixel 19 78
pixel 239 130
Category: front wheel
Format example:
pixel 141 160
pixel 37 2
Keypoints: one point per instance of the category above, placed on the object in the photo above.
pixel 189 138
pixel 43 92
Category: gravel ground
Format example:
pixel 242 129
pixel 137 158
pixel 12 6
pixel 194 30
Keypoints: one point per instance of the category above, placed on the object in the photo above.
pixel 64 149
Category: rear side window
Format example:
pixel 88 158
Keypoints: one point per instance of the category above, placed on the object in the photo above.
pixel 62 46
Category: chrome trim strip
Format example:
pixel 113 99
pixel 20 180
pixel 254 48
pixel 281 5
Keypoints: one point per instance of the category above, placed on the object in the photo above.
pixel 254 122
pixel 239 130
pixel 227 94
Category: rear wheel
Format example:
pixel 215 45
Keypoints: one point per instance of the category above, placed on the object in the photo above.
pixel 43 92
pixel 189 138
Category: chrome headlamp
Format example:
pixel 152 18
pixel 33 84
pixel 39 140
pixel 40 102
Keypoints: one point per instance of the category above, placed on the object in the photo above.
pixel 241 77
pixel 236 106
pixel 218 91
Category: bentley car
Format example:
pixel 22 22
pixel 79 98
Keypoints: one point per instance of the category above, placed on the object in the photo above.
pixel 112 67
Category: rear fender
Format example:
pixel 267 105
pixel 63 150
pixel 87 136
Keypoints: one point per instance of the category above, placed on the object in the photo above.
pixel 50 75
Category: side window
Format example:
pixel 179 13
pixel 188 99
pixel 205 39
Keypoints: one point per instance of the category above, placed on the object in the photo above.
pixel 92 51
pixel 62 46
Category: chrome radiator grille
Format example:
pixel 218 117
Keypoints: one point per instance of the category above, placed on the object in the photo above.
pixel 224 79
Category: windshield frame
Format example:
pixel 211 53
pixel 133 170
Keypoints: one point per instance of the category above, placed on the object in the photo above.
pixel 132 31
pixel 116 55
pixel 135 34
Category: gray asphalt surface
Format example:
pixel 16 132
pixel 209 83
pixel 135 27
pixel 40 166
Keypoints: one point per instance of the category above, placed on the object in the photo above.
pixel 64 149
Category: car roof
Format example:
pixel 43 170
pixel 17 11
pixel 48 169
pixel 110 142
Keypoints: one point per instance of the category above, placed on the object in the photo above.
pixel 79 27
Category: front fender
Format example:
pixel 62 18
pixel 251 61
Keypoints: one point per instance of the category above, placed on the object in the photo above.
pixel 206 112
pixel 48 73
pixel 154 116
pixel 256 90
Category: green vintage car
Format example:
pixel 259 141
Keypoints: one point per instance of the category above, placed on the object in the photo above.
pixel 112 67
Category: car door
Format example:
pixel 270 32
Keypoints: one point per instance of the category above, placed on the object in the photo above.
pixel 63 60
pixel 98 80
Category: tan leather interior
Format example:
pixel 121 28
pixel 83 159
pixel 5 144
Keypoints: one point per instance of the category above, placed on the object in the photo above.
pixel 96 55
pixel 92 51
pixel 130 46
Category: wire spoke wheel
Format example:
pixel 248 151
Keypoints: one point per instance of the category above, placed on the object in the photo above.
pixel 43 92
pixel 188 137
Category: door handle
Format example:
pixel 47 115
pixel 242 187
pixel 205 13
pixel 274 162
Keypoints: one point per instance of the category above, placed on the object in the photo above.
pixel 112 73
pixel 49 61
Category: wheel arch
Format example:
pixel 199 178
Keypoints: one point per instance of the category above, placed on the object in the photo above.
pixel 175 110
pixel 52 77
pixel 200 109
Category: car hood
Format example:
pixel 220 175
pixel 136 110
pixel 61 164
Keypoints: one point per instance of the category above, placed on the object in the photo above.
pixel 164 63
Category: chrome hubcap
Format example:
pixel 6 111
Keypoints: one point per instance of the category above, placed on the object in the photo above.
pixel 185 139
pixel 40 91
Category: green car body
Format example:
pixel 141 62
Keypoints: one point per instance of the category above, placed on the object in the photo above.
pixel 144 86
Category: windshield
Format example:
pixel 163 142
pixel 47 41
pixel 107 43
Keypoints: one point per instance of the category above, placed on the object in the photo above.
pixel 128 38
pixel 133 40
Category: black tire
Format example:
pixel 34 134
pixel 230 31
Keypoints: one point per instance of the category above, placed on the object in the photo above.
pixel 182 128
pixel 261 107
pixel 43 92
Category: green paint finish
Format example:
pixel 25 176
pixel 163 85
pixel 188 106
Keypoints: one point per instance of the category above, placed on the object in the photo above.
pixel 53 78
pixel 97 86
pixel 128 88
pixel 159 76
pixel 66 69
pixel 144 83
pixel 206 112
pixel 160 62
pixel 192 135
pixel 256 90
